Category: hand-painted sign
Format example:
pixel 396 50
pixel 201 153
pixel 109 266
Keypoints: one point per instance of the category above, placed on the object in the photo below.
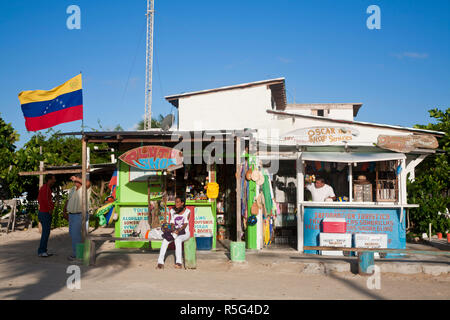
pixel 320 135
pixel 153 158
pixel 130 218
pixel 204 222
pixel 407 143
pixel 358 220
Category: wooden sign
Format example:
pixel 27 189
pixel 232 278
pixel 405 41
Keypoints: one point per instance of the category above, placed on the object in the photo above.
pixel 320 135
pixel 153 158
pixel 407 143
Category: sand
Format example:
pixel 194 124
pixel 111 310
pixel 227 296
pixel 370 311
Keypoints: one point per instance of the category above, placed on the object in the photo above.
pixel 120 274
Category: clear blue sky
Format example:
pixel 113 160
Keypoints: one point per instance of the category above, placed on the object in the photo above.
pixel 322 48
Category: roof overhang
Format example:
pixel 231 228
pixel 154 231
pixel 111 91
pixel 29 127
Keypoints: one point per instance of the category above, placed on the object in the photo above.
pixel 361 123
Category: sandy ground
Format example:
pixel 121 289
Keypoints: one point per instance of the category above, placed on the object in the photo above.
pixel 123 275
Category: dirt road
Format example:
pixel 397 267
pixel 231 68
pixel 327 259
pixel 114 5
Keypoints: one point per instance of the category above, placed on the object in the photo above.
pixel 121 275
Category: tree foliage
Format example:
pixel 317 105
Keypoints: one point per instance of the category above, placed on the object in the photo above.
pixel 156 123
pixel 432 181
pixel 8 138
pixel 57 150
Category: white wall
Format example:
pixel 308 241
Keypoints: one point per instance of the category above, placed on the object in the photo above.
pixel 246 108
pixel 226 110
pixel 343 114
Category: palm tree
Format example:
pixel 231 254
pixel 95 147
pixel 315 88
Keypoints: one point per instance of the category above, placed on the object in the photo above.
pixel 156 123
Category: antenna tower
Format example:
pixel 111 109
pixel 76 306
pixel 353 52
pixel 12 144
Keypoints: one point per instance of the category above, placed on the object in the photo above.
pixel 149 65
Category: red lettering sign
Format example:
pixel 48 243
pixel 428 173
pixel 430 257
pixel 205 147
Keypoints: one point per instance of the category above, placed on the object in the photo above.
pixel 152 158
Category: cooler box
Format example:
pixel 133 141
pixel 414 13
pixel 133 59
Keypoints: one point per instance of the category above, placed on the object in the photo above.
pixel 204 243
pixel 334 225
pixel 365 240
pixel 343 240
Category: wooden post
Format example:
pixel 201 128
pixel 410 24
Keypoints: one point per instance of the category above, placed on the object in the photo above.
pixel 149 211
pixel 238 189
pixel 350 182
pixel 365 262
pixel 41 169
pixel 84 199
pixel 300 199
pixel 429 226
pixel 41 182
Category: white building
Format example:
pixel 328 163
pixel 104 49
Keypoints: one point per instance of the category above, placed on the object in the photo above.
pixel 309 134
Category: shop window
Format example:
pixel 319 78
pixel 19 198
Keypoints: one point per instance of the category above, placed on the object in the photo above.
pixel 334 174
pixel 376 181
pixel 371 181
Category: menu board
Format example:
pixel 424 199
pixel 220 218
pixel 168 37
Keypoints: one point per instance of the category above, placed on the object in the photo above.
pixel 130 218
pixel 204 222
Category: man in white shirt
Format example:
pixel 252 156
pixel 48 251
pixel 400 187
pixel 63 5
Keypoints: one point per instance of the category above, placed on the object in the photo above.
pixel 320 191
pixel 74 207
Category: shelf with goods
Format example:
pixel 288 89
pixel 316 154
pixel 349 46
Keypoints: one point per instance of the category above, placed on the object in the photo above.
pixel 386 181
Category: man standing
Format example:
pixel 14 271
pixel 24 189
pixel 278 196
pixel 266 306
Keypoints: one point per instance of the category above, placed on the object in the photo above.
pixel 74 207
pixel 320 191
pixel 46 206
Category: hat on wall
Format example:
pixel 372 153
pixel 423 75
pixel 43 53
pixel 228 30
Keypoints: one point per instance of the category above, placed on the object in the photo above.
pixel 252 220
pixel 260 180
pixel 248 175
pixel 255 174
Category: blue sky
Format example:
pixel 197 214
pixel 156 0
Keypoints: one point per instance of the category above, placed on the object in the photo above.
pixel 323 49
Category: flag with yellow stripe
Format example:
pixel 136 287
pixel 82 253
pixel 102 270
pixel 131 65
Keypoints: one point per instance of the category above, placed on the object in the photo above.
pixel 44 109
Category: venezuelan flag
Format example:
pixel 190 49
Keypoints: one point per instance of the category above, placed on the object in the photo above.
pixel 45 109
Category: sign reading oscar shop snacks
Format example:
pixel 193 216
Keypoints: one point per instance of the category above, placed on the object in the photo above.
pixel 152 158
pixel 320 135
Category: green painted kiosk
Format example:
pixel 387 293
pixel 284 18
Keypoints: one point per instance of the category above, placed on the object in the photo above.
pixel 144 174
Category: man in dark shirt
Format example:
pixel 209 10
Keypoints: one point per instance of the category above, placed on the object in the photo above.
pixel 46 206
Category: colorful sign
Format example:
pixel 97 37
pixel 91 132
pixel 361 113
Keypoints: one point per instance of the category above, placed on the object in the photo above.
pixel 153 158
pixel 204 222
pixel 320 135
pixel 358 220
pixel 130 218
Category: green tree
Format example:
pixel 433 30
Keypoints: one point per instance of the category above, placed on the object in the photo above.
pixel 156 123
pixel 432 181
pixel 57 150
pixel 8 138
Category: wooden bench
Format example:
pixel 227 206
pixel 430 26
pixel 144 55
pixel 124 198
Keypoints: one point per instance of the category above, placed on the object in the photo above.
pixel 90 248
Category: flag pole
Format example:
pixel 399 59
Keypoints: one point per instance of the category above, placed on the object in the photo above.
pixel 82 119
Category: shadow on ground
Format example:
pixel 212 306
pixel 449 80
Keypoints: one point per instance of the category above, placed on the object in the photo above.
pixel 24 275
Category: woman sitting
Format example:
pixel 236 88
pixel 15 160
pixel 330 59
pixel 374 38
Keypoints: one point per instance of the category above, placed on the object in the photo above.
pixel 179 221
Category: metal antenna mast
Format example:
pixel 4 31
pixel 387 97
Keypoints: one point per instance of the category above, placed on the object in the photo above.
pixel 149 65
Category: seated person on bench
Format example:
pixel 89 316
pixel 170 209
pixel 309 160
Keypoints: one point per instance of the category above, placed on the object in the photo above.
pixel 179 219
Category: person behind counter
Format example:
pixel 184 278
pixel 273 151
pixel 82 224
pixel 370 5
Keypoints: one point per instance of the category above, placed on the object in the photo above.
pixel 320 191
pixel 179 219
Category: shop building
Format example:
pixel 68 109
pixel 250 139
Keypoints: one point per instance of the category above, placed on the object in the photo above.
pixel 366 164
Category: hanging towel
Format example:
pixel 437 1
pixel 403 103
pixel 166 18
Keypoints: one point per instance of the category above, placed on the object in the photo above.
pixel 267 196
pixel 318 165
pixel 272 198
